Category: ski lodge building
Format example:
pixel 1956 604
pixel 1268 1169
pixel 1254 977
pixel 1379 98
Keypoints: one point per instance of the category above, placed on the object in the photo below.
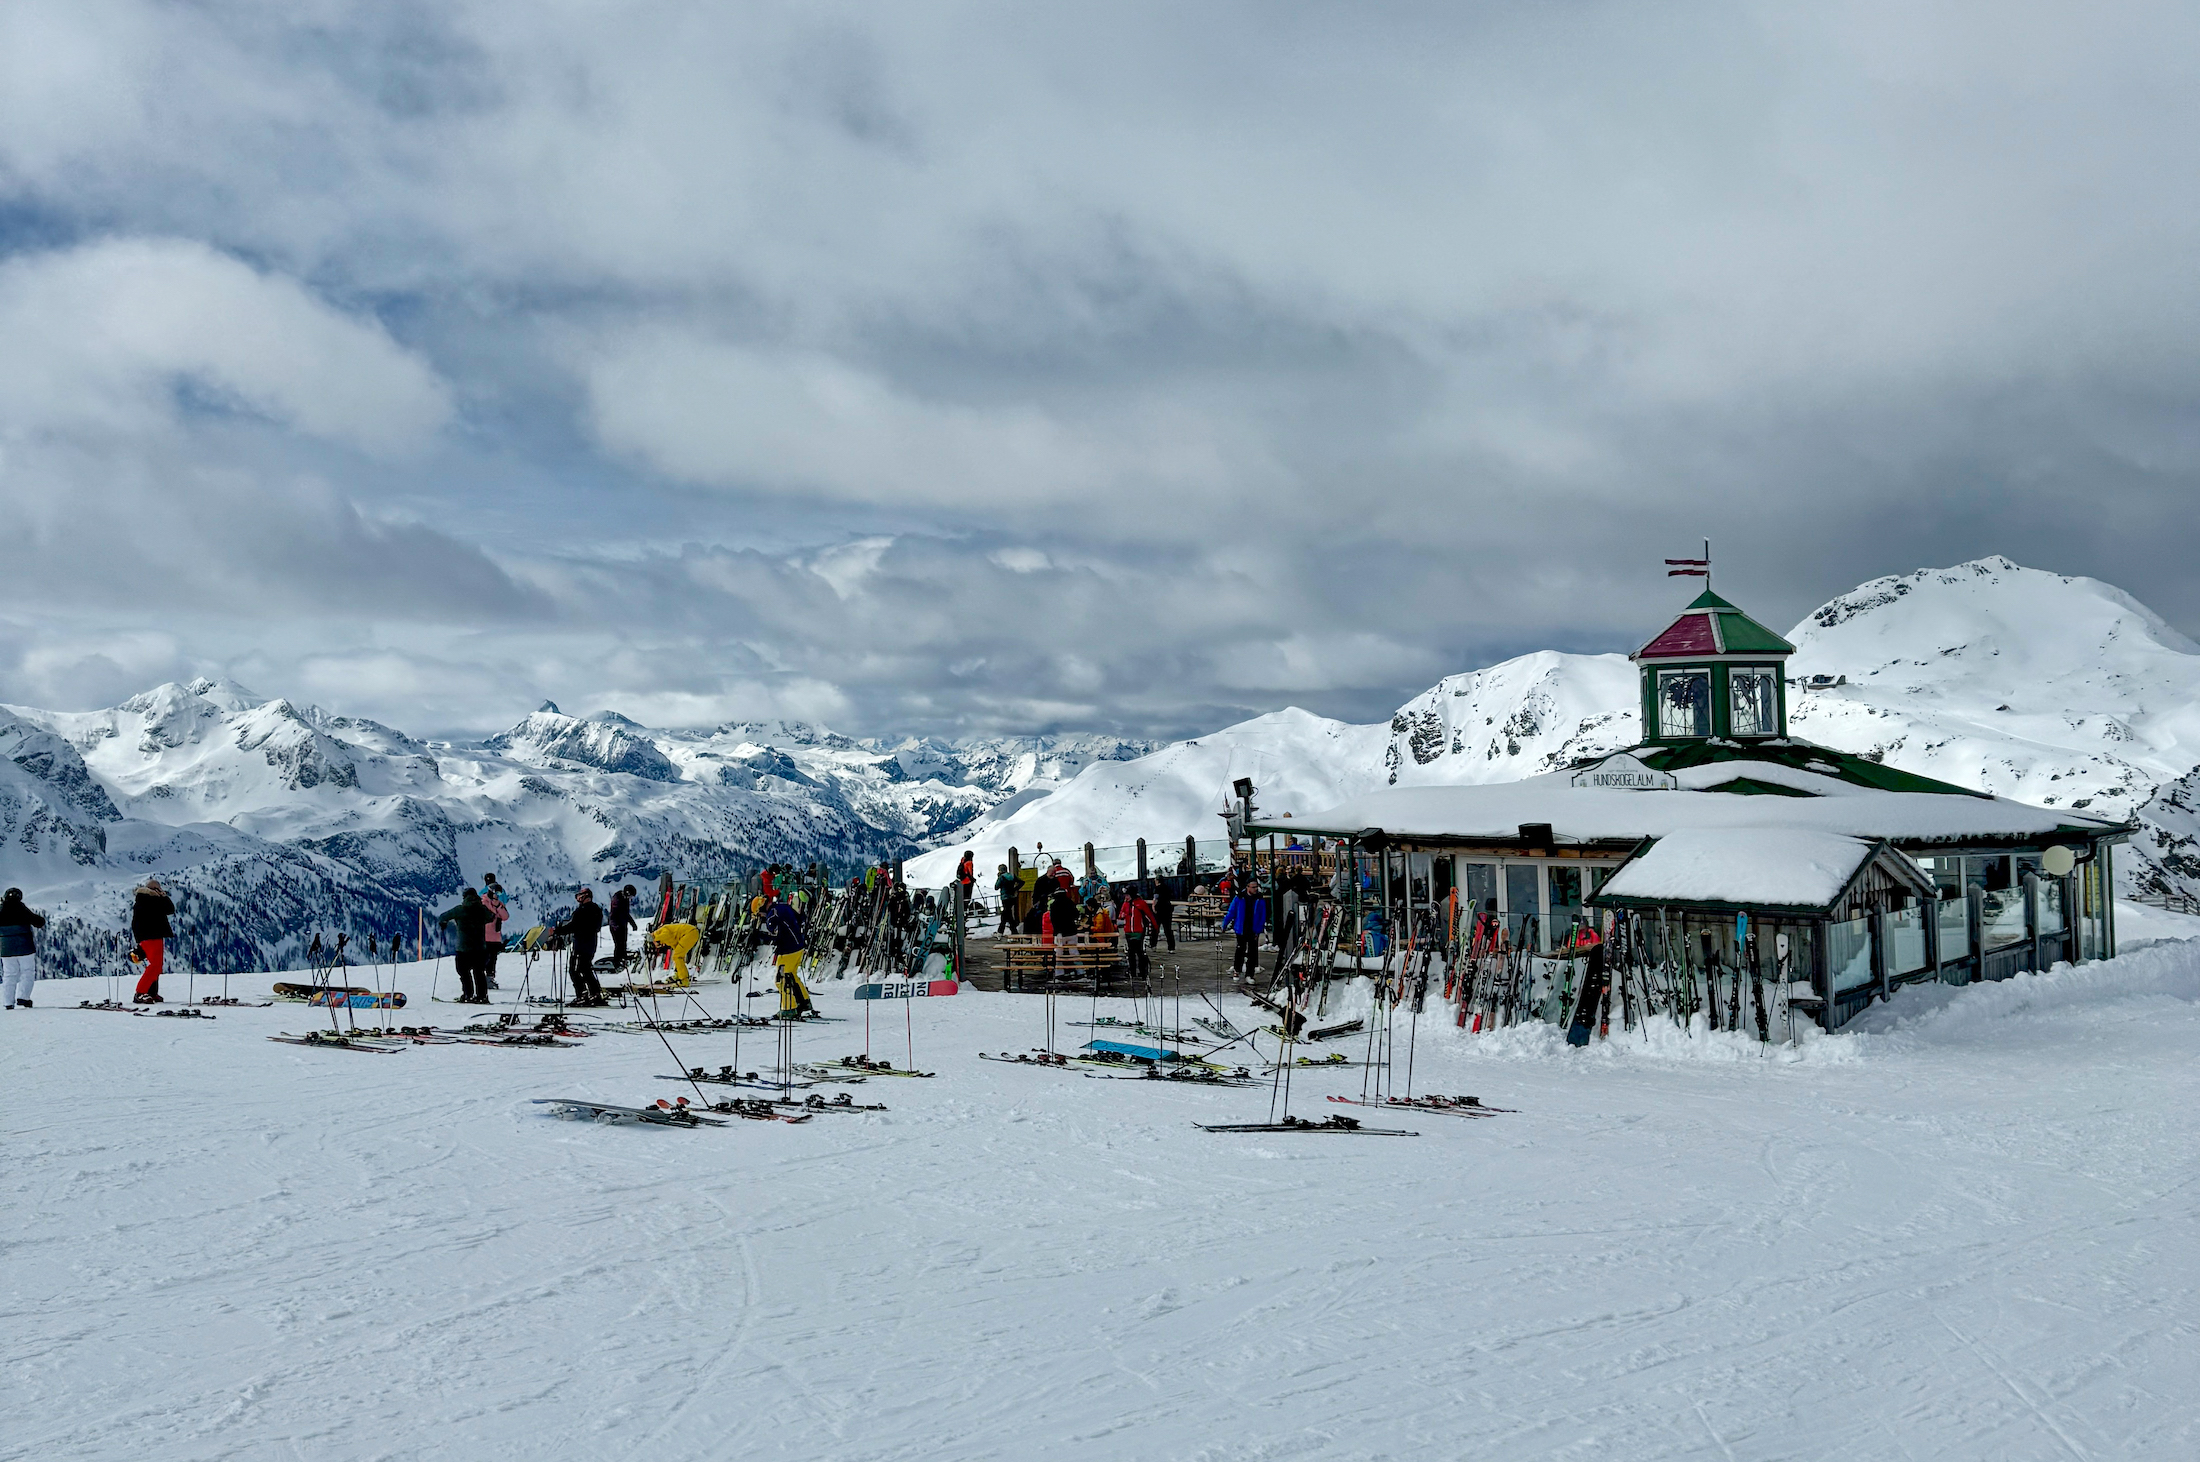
pixel 1846 873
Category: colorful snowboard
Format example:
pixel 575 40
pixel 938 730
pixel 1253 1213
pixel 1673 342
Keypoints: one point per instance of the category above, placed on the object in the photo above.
pixel 287 991
pixel 357 999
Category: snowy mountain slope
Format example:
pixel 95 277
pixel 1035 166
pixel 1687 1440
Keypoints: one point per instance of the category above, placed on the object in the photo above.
pixel 271 820
pixel 1525 716
pixel 2051 689
pixel 2055 690
pixel 1511 720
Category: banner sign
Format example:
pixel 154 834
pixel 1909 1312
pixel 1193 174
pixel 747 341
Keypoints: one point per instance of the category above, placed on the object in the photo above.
pixel 1625 773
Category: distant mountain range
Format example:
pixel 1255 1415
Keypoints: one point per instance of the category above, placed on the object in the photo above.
pixel 272 821
pixel 2055 690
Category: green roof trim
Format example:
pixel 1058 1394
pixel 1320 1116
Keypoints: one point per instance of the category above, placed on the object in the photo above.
pixel 1709 600
pixel 1744 636
pixel 1799 756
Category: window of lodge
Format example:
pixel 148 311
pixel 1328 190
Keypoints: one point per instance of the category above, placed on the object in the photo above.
pixel 1684 702
pixel 1756 700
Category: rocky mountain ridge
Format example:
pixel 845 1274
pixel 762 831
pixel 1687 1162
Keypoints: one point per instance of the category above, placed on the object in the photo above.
pixel 272 821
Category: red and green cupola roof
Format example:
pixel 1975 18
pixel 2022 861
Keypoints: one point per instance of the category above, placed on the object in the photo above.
pixel 1712 627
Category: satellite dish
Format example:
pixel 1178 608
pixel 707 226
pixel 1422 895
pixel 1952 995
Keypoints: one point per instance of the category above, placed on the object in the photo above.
pixel 2058 861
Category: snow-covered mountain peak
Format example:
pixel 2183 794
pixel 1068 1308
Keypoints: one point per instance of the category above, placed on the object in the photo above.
pixel 1518 718
pixel 552 737
pixel 1987 608
pixel 783 733
pixel 2050 688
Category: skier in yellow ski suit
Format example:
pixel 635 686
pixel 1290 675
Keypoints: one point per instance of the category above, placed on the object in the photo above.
pixel 681 939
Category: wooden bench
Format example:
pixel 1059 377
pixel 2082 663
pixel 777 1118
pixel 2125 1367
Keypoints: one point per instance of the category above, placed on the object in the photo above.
pixel 1081 958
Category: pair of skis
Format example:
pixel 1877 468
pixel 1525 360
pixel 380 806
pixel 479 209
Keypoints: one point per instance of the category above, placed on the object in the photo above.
pixel 1336 1123
pixel 1457 1106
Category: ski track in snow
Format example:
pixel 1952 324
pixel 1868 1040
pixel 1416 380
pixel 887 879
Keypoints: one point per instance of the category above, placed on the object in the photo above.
pixel 1965 1231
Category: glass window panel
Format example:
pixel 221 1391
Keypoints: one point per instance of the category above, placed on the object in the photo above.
pixel 1565 885
pixel 1756 700
pixel 1849 953
pixel 2003 922
pixel 1906 941
pixel 2051 905
pixel 1478 885
pixel 1955 928
pixel 1684 703
pixel 1523 896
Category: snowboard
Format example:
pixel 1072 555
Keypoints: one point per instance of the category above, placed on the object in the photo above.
pixel 357 999
pixel 907 989
pixel 1136 1053
pixel 286 990
pixel 1589 1000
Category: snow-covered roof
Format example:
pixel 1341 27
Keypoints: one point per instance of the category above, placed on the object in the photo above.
pixel 1756 867
pixel 1829 805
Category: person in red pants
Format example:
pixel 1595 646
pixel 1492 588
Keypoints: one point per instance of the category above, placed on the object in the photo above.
pixel 149 927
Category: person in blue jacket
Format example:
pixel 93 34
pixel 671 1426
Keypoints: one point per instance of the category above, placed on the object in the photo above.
pixel 1246 918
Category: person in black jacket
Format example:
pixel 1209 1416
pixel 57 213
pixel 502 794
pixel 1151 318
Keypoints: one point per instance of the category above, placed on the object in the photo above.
pixel 1062 908
pixel 583 927
pixel 149 926
pixel 472 917
pixel 18 950
pixel 622 919
pixel 1164 913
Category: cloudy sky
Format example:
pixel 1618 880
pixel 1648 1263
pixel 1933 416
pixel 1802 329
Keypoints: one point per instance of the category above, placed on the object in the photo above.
pixel 947 368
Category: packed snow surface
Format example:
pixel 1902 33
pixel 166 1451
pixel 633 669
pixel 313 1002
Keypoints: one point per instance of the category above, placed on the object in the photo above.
pixel 1778 867
pixel 1966 1229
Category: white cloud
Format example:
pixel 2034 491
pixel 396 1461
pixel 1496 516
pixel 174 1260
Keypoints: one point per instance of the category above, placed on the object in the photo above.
pixel 845 566
pixel 107 338
pixel 1186 360
pixel 795 421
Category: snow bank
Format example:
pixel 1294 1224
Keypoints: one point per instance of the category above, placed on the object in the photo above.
pixel 1917 1016
pixel 1948 1015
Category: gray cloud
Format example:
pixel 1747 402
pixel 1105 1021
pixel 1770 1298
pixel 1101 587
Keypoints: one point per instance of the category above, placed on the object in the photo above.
pixel 977 366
